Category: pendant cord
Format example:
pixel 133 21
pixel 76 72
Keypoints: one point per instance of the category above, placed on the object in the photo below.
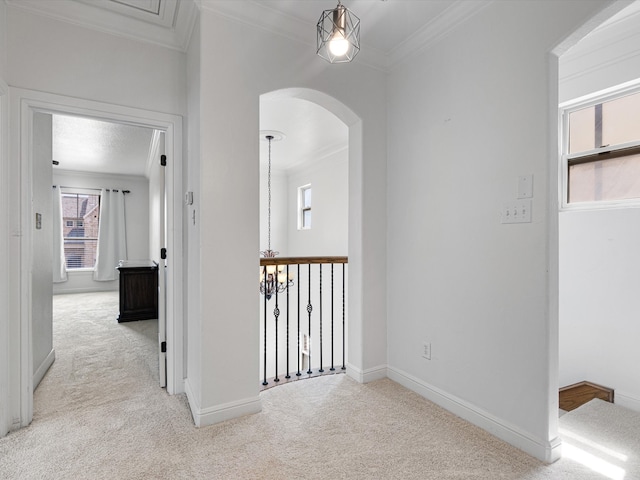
pixel 269 137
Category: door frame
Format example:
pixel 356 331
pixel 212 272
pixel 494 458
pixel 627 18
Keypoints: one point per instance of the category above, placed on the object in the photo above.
pixel 5 416
pixel 23 104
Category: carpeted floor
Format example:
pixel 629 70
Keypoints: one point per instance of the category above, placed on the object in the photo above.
pixel 99 414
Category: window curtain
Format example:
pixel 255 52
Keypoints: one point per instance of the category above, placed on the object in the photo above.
pixel 112 238
pixel 59 263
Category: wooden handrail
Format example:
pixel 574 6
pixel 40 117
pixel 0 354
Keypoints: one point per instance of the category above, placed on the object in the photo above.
pixel 301 260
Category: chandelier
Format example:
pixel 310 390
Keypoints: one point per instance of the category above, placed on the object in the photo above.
pixel 273 278
pixel 338 35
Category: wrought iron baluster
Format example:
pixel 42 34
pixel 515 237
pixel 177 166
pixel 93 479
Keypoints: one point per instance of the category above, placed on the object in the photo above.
pixel 276 314
pixel 343 320
pixel 332 366
pixel 264 382
pixel 299 355
pixel 287 375
pixel 321 364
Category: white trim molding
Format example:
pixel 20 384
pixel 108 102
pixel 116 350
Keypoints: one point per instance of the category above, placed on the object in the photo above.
pixel 547 451
pixel 171 26
pixel 43 368
pixel 220 413
pixel 5 415
pixel 367 375
pixel 627 401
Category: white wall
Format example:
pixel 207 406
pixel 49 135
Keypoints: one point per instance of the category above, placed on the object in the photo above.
pixel 231 84
pixel 5 416
pixel 329 180
pixel 67 59
pixel 42 267
pixel 466 118
pixel 599 259
pixel 280 201
pixel 192 219
pixel 136 223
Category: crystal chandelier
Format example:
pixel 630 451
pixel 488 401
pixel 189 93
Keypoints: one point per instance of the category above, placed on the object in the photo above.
pixel 338 35
pixel 273 278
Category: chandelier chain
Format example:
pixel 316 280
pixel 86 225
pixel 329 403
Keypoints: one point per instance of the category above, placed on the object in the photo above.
pixel 269 202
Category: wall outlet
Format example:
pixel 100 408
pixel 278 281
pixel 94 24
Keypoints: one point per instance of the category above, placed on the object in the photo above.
pixel 426 350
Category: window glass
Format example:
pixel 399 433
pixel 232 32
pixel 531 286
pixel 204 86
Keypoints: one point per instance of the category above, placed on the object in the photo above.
pixel 306 198
pixel 582 130
pixel 609 123
pixel 621 120
pixel 306 219
pixel 605 180
pixel 81 240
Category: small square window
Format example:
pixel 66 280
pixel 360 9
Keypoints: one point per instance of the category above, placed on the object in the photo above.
pixel 69 223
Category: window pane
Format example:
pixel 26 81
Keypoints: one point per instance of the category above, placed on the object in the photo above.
pixel 306 198
pixel 81 215
pixel 306 219
pixel 621 120
pixel 612 179
pixel 620 124
pixel 582 132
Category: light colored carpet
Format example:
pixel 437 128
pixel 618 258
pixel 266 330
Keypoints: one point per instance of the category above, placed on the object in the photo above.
pixel 99 414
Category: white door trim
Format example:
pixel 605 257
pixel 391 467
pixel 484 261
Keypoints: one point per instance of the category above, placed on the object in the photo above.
pixel 5 416
pixel 23 103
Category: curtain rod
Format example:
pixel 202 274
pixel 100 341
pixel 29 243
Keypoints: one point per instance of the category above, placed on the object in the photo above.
pixel 96 189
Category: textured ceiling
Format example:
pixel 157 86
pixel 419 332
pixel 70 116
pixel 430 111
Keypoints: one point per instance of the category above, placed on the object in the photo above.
pixel 82 144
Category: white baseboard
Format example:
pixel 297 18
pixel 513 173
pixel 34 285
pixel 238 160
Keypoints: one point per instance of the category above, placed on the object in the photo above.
pixel 64 291
pixel 368 375
pixel 546 451
pixel 220 413
pixel 627 401
pixel 43 368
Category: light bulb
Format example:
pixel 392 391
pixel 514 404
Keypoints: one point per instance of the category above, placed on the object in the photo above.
pixel 271 269
pixel 282 278
pixel 338 45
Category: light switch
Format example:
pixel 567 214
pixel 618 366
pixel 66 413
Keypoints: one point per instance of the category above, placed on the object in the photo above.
pixel 525 186
pixel 518 211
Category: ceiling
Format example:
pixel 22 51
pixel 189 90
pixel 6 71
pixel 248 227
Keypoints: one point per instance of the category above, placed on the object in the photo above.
pixel 89 145
pixel 391 30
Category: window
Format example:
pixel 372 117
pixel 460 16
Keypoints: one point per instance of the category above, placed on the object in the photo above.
pixel 304 207
pixel 601 154
pixel 81 216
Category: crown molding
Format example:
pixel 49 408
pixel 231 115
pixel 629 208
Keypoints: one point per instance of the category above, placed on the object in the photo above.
pixel 170 28
pixel 265 18
pixel 456 14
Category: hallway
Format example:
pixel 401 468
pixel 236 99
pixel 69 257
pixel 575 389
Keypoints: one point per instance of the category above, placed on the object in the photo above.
pixel 100 414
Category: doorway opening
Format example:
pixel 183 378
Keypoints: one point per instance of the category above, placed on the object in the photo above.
pixel 29 105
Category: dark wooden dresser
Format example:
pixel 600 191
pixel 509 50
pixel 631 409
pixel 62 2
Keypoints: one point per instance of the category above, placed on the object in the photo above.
pixel 138 290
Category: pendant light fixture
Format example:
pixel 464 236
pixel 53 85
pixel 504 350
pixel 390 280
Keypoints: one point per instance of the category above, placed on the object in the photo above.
pixel 272 278
pixel 338 35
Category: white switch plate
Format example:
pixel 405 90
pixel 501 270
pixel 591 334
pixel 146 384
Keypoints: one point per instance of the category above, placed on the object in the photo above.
pixel 525 186
pixel 518 211
pixel 426 350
